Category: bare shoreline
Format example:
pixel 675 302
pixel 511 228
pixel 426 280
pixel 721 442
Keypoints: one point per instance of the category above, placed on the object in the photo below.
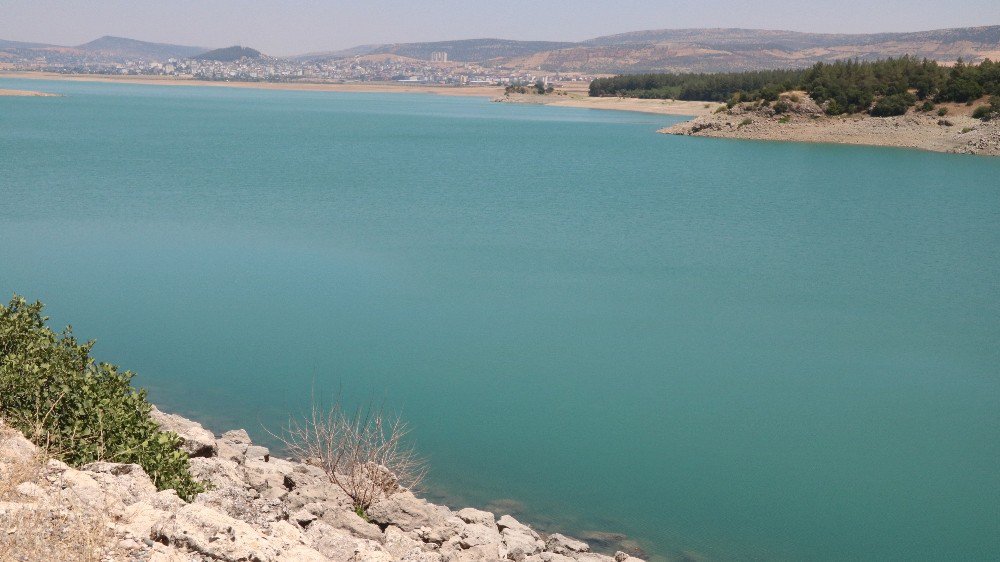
pixel 574 95
pixel 580 99
pixel 26 93
pixel 955 132
pixel 365 87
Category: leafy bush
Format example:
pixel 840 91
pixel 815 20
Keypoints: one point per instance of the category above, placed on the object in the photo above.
pixel 943 111
pixel 782 107
pixel 926 106
pixel 987 112
pixel 79 410
pixel 896 104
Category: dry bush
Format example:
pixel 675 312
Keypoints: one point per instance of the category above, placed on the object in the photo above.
pixel 363 452
pixel 55 533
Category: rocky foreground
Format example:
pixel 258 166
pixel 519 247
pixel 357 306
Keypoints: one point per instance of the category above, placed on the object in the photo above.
pixel 805 121
pixel 258 508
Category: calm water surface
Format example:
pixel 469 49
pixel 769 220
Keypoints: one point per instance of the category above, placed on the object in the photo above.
pixel 742 350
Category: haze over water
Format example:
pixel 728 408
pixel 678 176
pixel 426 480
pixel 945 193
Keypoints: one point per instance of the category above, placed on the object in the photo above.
pixel 746 350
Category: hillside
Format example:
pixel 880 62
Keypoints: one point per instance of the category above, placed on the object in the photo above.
pixel 467 50
pixel 720 50
pixel 229 54
pixel 130 48
pixel 699 50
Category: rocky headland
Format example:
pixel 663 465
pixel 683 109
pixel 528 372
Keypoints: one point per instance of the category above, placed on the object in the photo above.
pixel 799 118
pixel 258 508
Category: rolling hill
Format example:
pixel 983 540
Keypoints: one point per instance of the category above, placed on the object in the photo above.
pixel 701 50
pixel 229 54
pixel 121 47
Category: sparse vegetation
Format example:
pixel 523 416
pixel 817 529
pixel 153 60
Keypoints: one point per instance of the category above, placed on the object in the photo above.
pixel 744 123
pixel 76 409
pixel 54 531
pixel 363 452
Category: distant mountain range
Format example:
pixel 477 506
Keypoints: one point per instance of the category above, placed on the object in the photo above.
pixel 677 50
pixel 699 50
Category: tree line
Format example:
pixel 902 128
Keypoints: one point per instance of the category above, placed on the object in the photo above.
pixel 883 87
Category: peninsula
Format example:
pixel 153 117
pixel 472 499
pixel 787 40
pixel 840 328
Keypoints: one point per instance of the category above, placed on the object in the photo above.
pixel 901 102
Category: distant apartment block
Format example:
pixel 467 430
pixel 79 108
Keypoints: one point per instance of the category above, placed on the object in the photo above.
pixel 439 56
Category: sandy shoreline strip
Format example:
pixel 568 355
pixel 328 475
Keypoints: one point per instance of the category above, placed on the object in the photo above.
pixel 575 94
pixel 26 93
pixel 360 87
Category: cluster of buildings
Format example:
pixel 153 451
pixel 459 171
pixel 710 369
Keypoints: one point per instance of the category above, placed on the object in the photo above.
pixel 373 68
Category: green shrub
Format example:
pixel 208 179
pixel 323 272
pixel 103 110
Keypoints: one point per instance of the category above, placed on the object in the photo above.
pixel 782 107
pixel 943 111
pixel 986 112
pixel 744 123
pixel 80 411
pixel 896 104
pixel 927 105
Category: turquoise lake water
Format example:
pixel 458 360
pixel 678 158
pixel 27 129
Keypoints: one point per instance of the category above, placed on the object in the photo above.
pixel 738 350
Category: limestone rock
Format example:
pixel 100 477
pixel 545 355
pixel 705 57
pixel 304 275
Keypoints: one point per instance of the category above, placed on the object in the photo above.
pixel 476 516
pixel 200 529
pixel 217 472
pixel 303 518
pixel 233 445
pixel 15 448
pixel 125 484
pixel 196 440
pixel 561 544
pixel 548 557
pixel 407 512
pixel 339 518
pixel 400 544
pixel 508 522
pixel 339 545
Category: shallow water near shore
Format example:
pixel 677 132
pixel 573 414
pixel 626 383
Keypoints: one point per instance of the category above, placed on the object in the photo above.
pixel 735 349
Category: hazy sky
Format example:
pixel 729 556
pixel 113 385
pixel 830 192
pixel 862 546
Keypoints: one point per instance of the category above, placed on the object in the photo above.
pixel 284 27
